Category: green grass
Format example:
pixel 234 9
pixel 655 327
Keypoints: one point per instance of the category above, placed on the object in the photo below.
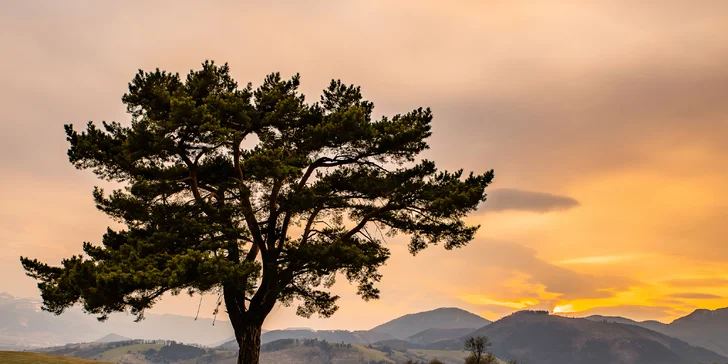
pixel 113 353
pixel 16 357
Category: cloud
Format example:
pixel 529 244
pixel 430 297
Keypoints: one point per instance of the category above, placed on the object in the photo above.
pixel 694 295
pixel 607 259
pixel 698 282
pixel 485 301
pixel 556 281
pixel 504 199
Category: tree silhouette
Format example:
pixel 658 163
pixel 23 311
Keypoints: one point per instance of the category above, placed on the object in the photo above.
pixel 478 348
pixel 254 194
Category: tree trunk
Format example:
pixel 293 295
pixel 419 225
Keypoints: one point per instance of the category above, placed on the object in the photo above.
pixel 248 337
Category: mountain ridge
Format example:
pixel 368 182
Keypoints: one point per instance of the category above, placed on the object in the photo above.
pixel 702 327
pixel 537 336
pixel 441 318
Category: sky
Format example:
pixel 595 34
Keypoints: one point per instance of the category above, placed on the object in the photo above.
pixel 605 122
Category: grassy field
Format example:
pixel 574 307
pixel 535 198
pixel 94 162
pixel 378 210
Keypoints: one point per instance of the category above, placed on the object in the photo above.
pixel 371 354
pixel 442 354
pixel 16 357
pixel 447 356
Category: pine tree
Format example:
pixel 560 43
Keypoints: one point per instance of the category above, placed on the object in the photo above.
pixel 255 194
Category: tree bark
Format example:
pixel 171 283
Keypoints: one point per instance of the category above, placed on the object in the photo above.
pixel 248 337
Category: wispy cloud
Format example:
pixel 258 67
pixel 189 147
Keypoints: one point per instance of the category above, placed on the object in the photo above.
pixel 607 259
pixel 698 282
pixel 484 300
pixel 695 295
pixel 504 199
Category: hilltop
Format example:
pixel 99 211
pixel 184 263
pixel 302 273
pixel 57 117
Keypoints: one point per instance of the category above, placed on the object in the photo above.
pixel 538 337
pixel 705 328
pixel 441 318
pixel 110 338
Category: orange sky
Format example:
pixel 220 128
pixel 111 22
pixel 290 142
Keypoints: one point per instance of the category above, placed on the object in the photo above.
pixel 605 122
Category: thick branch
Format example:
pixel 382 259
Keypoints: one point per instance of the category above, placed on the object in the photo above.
pixel 194 186
pixel 309 223
pixel 244 197
pixel 299 187
pixel 323 162
pixel 273 214
pixel 365 220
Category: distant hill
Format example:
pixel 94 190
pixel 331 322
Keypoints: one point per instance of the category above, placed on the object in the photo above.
pixel 328 335
pixel 110 338
pixel 617 319
pixel 430 336
pixel 317 352
pixel 314 351
pixel 16 357
pixel 705 328
pixel 332 336
pixel 651 324
pixel 285 351
pixel 372 336
pixel 142 352
pixel 23 325
pixel 441 318
pixel 397 344
pixel 400 328
pixel 537 337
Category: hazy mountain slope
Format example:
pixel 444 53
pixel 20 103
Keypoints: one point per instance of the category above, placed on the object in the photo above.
pixel 294 351
pixel 328 335
pixel 616 319
pixel 332 336
pixel 548 339
pixel 110 338
pixel 24 325
pixel 366 337
pixel 142 352
pixel 705 328
pixel 651 324
pixel 441 318
pixel 430 336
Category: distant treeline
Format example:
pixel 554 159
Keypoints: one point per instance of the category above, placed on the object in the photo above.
pixel 283 344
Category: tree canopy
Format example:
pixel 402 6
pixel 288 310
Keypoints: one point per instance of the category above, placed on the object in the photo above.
pixel 253 193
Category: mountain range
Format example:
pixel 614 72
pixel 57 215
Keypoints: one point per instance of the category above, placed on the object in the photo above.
pixel 538 337
pixel 399 328
pixel 706 328
pixel 527 336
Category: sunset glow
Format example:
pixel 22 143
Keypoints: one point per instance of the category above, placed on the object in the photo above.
pixel 606 127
